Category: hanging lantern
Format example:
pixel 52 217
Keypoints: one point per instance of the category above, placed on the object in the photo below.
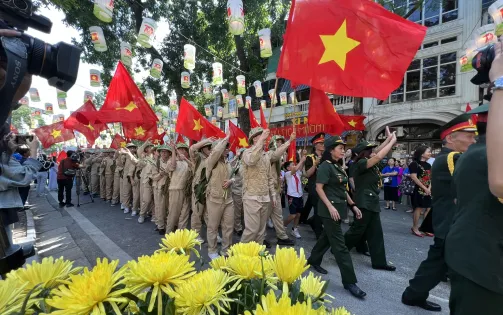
pixel 24 100
pixel 156 69
pixel 218 78
pixel 241 84
pixel 60 94
pixel 248 102
pixel 264 36
pixel 207 90
pixel 88 96
pixel 293 99
pixel 239 100
pixel 484 36
pixel 147 32
pixel 214 120
pixel 49 109
pixel 127 54
pixel 225 96
pixel 62 103
pixel 35 112
pixel 185 78
pixel 258 89
pixel 282 98
pixel 207 110
pixel 104 10
pixel 466 59
pixel 189 57
pixel 34 96
pixel 263 103
pixel 272 96
pixel 236 17
pixel 95 77
pixel 496 12
pixel 220 112
pixel 232 108
pixel 98 38
pixel 61 118
pixel 150 97
pixel 173 105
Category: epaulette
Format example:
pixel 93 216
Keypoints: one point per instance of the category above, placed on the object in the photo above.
pixel 451 161
pixel 329 162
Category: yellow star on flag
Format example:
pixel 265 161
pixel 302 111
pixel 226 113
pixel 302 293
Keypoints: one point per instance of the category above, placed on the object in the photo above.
pixel 139 131
pixel 56 133
pixel 123 144
pixel 352 123
pixel 130 107
pixel 197 125
pixel 90 127
pixel 337 46
pixel 243 143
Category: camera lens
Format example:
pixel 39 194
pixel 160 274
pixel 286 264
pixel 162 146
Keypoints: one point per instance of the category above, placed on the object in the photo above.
pixel 21 5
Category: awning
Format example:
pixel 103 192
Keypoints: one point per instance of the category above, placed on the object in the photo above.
pixel 287 87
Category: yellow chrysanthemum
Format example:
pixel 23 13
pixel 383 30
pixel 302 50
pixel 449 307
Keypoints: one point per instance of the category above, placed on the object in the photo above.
pixel 160 271
pixel 271 306
pixel 287 265
pixel 312 287
pixel 88 292
pixel 247 249
pixel 219 263
pixel 204 292
pixel 249 267
pixel 181 241
pixel 48 274
pixel 339 311
pixel 12 296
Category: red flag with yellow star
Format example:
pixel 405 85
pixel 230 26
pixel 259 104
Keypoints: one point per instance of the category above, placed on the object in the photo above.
pixel 193 125
pixel 140 131
pixel 159 139
pixel 263 122
pixel 322 112
pixel 238 138
pixel 352 48
pixel 353 122
pixel 253 120
pixel 55 133
pixel 82 121
pixel 118 142
pixel 125 102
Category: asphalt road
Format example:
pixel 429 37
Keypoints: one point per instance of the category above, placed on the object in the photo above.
pixel 383 288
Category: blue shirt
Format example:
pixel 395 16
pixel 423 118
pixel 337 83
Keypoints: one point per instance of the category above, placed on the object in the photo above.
pixel 394 179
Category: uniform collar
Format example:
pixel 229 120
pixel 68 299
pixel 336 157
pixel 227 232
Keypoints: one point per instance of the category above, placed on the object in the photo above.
pixel 481 139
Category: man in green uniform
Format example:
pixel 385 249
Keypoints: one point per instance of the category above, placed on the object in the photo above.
pixel 457 135
pixel 474 243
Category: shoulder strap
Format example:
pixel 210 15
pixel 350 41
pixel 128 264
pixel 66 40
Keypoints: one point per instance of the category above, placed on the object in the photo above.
pixel 450 161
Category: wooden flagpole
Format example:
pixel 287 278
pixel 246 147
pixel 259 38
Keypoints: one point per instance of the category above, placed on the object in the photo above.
pixel 273 103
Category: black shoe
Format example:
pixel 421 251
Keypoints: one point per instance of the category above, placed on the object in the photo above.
pixel 427 305
pixel 162 231
pixel 287 242
pixel 28 251
pixel 85 193
pixel 61 204
pixel 366 253
pixel 319 269
pixel 267 244
pixel 386 267
pixel 355 290
pixel 239 233
pixel 68 205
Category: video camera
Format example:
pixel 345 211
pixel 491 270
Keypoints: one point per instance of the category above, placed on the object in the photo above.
pixel 481 62
pixel 77 156
pixel 58 63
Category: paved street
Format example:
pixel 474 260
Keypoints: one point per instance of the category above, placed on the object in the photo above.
pixel 98 230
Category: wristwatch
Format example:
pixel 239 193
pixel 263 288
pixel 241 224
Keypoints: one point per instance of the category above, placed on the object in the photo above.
pixel 498 84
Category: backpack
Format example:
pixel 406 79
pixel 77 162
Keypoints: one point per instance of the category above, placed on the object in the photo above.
pixel 200 187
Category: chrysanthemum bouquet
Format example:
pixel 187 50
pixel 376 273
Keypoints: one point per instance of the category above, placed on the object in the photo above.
pixel 248 281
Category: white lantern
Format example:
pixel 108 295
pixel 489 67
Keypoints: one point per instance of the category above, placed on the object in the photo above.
pixel 466 59
pixel 207 90
pixel 258 89
pixel 126 54
pixel 236 17
pixel 239 100
pixel 147 32
pixel 232 109
pixel 484 35
pixel 104 10
pixel 150 97
pixel 189 57
pixel 218 77
pixel 248 102
pixel 241 80
pixel 263 104
pixel 88 96
pixel 98 38
pixel 293 99
pixel 49 109
pixel 225 96
pixel 24 100
pixel 496 12
pixel 272 96
pixel 220 112
pixel 264 36
pixel 62 103
pixel 95 76
pixel 156 69
pixel 60 94
pixel 173 105
pixel 185 78
pixel 207 110
pixel 34 96
pixel 214 120
pixel 282 98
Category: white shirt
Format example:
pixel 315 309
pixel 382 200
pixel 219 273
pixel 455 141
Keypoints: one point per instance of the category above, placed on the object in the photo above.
pixel 294 188
pixel 431 160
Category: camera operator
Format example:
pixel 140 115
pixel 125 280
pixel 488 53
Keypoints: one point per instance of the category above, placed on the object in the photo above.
pixel 66 172
pixel 43 174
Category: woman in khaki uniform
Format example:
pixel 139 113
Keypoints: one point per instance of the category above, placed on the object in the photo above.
pixel 160 183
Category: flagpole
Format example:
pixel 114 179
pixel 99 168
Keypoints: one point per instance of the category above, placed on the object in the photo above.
pixel 273 103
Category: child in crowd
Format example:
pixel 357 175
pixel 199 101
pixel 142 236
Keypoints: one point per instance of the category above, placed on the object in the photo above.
pixel 295 193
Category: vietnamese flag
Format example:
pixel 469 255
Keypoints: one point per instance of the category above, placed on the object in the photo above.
pixel 348 47
pixel 180 139
pixel 238 138
pixel 118 142
pixel 159 139
pixel 140 131
pixel 353 122
pixel 292 152
pixel 193 125
pixel 253 120
pixel 61 156
pixel 322 112
pixel 263 122
pixel 80 120
pixel 474 116
pixel 124 101
pixel 55 133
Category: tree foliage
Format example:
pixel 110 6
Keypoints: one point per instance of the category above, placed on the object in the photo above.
pixel 24 113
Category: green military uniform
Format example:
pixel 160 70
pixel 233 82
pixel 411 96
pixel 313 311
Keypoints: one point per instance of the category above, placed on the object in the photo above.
pixel 474 244
pixel 434 269
pixel 367 183
pixel 334 180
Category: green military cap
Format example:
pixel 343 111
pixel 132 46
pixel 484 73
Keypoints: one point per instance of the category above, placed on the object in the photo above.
pixel 255 132
pixel 209 144
pixel 131 145
pixel 482 109
pixel 363 146
pixel 462 122
pixel 276 138
pixel 182 145
pixel 215 143
pixel 333 142
pixel 164 148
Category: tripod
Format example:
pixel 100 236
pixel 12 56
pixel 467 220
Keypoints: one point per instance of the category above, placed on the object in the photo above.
pixel 79 178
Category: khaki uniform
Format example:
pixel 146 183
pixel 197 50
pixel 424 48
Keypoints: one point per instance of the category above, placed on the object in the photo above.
pixel 258 188
pixel 127 188
pixel 86 172
pixel 134 175
pixel 109 177
pixel 95 176
pixel 147 192
pixel 198 210
pixel 219 200
pixel 119 168
pixel 237 196
pixel 101 171
pixel 160 185
pixel 178 199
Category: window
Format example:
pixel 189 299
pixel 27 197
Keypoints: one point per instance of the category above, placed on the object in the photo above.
pixel 448 40
pixel 427 78
pixel 431 44
pixel 431 13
